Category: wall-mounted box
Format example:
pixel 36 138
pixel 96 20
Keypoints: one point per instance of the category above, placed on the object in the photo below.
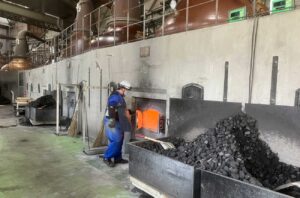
pixel 281 5
pixel 237 14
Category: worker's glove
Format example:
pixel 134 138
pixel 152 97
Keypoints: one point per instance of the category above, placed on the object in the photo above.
pixel 112 123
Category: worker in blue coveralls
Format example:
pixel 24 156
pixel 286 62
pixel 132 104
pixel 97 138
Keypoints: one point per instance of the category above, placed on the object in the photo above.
pixel 116 122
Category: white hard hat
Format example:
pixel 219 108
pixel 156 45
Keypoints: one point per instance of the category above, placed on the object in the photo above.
pixel 125 84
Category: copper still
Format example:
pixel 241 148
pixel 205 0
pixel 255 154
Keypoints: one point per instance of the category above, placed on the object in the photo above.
pixel 21 59
pixel 116 31
pixel 81 32
pixel 201 13
pixel 3 60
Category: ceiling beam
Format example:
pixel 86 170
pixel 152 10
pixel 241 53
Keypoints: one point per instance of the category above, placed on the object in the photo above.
pixel 4 27
pixel 6 37
pixel 18 13
pixel 70 3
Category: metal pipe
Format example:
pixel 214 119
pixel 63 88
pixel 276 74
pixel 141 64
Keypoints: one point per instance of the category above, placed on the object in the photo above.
pixel 217 11
pixel 90 31
pixel 12 96
pixel 114 23
pixel 71 45
pixel 144 21
pixel 252 58
pixel 100 83
pixel 82 33
pixel 101 80
pixel 43 61
pixel 187 15
pixel 57 108
pixel 163 18
pixel 109 68
pixel 89 86
pixel 99 22
pixel 84 121
pixel 66 43
pixel 254 8
pixel 128 14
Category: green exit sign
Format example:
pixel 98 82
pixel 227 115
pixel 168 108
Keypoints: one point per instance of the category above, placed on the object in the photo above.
pixel 281 5
pixel 237 14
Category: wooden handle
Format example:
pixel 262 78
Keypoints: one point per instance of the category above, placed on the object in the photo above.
pixel 151 139
pixel 139 135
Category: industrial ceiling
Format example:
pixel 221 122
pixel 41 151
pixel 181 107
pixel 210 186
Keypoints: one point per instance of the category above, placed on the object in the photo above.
pixel 49 14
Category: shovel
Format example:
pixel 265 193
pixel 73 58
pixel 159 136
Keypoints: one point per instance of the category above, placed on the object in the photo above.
pixel 292 189
pixel 165 145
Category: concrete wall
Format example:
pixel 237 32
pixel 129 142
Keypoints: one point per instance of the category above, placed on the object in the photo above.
pixel 196 56
pixel 278 36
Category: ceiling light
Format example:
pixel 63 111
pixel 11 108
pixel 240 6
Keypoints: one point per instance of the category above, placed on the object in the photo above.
pixel 173 4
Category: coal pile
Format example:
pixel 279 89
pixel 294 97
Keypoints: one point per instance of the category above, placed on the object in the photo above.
pixel 24 122
pixel 4 101
pixel 233 148
pixel 44 102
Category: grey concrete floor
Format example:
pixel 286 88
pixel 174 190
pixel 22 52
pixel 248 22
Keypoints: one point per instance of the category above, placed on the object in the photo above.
pixel 36 163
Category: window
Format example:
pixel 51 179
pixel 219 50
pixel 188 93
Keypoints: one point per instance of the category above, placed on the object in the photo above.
pixel 193 91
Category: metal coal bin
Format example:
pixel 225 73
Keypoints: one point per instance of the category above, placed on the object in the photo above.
pixel 161 176
pixel 39 116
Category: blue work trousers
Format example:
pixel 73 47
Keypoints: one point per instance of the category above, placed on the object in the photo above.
pixel 115 136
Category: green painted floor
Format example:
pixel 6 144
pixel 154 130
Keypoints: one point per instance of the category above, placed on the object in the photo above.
pixel 36 163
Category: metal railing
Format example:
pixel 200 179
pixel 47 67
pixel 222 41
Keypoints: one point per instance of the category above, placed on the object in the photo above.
pixel 105 27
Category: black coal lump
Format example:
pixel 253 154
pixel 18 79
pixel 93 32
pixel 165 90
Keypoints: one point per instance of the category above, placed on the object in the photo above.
pixel 46 101
pixel 233 148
